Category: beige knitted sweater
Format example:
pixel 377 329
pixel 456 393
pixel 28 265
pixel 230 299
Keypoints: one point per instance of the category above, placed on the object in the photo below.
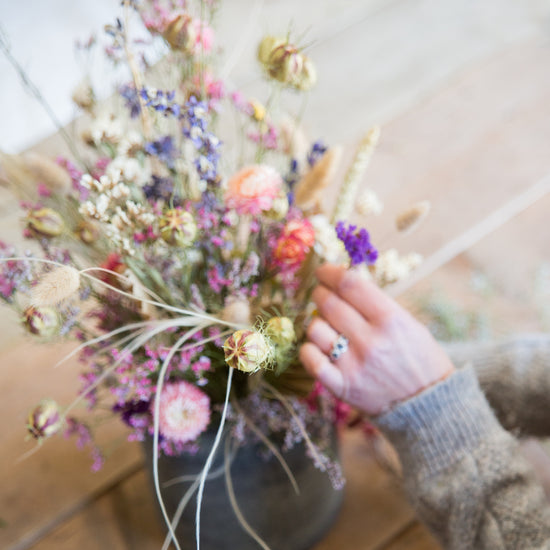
pixel 463 470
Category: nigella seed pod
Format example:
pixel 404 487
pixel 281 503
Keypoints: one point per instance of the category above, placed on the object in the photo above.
pixel 42 321
pixel 281 331
pixel 45 222
pixel 247 350
pixel 266 47
pixel 177 227
pixel 45 419
pixel 87 232
pixel 181 34
pixel 285 63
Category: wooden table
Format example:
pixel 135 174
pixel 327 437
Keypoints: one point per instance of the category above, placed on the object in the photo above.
pixel 462 89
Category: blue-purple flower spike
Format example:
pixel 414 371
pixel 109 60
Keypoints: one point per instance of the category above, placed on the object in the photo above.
pixel 357 244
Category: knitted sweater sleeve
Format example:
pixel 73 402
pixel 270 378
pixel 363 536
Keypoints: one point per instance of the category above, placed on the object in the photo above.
pixel 514 375
pixel 464 474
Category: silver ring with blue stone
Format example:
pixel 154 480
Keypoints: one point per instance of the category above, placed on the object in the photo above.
pixel 339 348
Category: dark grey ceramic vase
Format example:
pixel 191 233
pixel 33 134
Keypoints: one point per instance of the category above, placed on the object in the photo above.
pixel 265 496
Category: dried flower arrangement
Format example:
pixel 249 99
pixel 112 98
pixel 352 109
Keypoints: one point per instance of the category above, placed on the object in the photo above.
pixel 186 279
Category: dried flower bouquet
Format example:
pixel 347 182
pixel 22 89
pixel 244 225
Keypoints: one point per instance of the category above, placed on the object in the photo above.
pixel 184 276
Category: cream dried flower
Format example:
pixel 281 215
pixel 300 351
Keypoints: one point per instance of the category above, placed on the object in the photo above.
pixel 369 203
pixel 83 95
pixel 410 219
pixel 391 268
pixel 327 244
pixel 55 286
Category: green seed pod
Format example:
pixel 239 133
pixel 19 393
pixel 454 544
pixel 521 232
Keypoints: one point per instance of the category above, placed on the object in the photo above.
pixel 41 320
pixel 177 227
pixel 45 222
pixel 281 331
pixel 181 34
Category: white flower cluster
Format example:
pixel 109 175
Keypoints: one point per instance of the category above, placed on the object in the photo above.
pixel 106 129
pixel 369 203
pixel 390 267
pixel 327 245
pixel 112 206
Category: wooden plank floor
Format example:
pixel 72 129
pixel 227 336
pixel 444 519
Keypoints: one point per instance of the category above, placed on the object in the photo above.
pixel 462 89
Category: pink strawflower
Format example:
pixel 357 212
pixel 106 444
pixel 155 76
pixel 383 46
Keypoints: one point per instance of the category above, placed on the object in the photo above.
pixel 293 245
pixel 253 189
pixel 184 412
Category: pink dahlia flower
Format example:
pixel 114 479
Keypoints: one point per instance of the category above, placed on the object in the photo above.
pixel 253 189
pixel 184 412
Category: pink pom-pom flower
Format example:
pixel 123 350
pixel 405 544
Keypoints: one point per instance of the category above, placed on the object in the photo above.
pixel 184 412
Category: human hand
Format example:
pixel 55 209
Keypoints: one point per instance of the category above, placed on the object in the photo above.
pixel 391 356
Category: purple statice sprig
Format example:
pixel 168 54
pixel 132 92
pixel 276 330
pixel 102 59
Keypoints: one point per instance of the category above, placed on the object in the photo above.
pixel 129 93
pixel 318 149
pixel 357 244
pixel 163 149
pixel 161 101
pixel 193 116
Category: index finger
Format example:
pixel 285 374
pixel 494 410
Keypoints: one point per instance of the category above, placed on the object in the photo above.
pixel 358 290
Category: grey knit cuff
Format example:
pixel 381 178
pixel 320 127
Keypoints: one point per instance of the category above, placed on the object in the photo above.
pixel 436 428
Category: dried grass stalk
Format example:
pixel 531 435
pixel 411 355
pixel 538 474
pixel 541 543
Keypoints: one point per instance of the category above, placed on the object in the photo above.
pixel 348 191
pixel 410 219
pixel 25 171
pixel 308 189
pixel 55 286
